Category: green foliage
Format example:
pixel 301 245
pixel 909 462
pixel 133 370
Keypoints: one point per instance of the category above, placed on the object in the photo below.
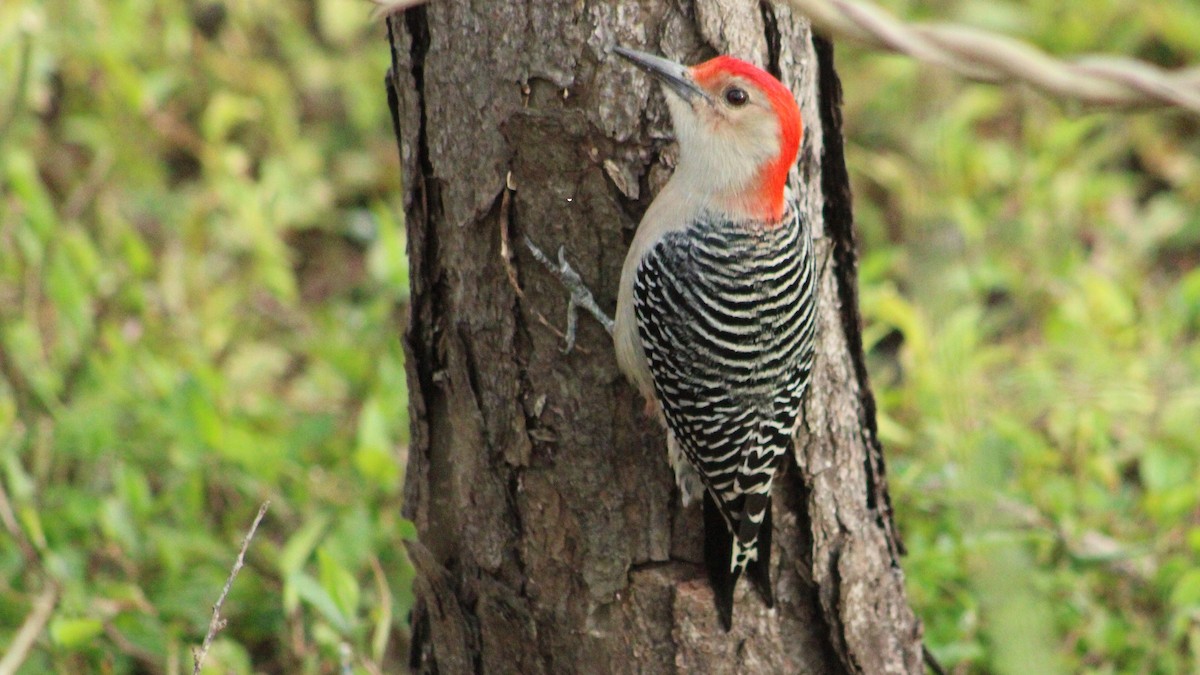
pixel 201 276
pixel 203 264
pixel 1030 297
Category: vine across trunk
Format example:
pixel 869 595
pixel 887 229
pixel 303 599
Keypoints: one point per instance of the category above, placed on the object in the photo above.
pixel 551 536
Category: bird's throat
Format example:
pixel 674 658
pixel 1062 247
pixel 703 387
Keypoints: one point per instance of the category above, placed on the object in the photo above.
pixel 762 199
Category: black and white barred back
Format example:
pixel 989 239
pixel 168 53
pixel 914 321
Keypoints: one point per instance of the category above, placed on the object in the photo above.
pixel 726 315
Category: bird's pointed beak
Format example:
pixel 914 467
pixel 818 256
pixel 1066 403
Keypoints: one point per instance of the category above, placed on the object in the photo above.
pixel 676 76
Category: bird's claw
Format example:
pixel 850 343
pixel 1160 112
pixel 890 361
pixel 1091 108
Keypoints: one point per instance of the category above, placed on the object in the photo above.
pixel 581 295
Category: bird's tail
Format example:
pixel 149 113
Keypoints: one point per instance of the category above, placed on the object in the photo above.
pixel 758 569
pixel 726 556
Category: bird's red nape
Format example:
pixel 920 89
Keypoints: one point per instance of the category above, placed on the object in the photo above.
pixel 768 198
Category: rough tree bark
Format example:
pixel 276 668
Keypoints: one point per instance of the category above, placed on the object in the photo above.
pixel 551 536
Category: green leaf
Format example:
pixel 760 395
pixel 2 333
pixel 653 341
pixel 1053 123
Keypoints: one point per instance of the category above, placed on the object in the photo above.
pixel 1186 592
pixel 225 111
pixel 300 546
pixel 340 584
pixel 315 595
pixel 1162 469
pixel 408 530
pixel 373 457
pixel 75 633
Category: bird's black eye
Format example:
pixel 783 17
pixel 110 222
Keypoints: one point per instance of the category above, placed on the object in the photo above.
pixel 736 97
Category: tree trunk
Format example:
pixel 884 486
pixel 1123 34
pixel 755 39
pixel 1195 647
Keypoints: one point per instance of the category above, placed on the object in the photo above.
pixel 551 535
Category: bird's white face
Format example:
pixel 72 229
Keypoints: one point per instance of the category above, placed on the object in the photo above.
pixel 727 138
pixel 738 128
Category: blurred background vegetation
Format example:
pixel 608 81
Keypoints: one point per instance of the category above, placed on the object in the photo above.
pixel 202 282
pixel 1032 302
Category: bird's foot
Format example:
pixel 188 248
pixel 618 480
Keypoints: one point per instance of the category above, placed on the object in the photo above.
pixel 581 295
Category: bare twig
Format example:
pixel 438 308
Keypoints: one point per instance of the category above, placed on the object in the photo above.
pixel 217 623
pixel 1098 81
pixel 33 626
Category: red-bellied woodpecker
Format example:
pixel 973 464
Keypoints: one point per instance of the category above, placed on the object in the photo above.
pixel 716 308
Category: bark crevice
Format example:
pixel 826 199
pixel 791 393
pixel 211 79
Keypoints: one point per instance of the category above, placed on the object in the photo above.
pixel 772 36
pixel 839 220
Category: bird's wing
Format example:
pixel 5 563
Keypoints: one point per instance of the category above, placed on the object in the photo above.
pixel 722 321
